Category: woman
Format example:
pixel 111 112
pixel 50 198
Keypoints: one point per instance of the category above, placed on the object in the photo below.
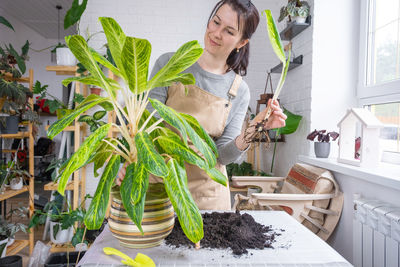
pixel 219 99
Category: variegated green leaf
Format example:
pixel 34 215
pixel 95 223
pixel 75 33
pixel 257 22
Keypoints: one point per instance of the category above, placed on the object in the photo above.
pixel 98 115
pixel 201 145
pixel 97 210
pixel 170 116
pixel 82 155
pixel 217 176
pixel 140 183
pixel 85 80
pixel 283 77
pixel 188 213
pixel 152 161
pixel 274 37
pixel 174 146
pixel 135 60
pixel 200 131
pixel 184 78
pixel 59 125
pixel 115 39
pixel 135 212
pixel 102 153
pixel 183 58
pixel 103 61
pixel 80 49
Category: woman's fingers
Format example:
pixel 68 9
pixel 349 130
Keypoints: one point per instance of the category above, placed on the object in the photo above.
pixel 121 175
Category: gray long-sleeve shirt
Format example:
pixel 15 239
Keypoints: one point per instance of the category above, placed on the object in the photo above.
pixel 217 85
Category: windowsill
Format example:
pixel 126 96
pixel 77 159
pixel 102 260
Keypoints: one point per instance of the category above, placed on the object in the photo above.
pixel 385 174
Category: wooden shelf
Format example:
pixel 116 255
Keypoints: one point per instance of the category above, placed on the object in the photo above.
pixel 8 77
pixel 61 247
pixel 9 150
pixel 19 135
pixel 63 70
pixel 54 186
pixel 293 64
pixel 46 114
pixel 10 193
pixel 16 247
pixel 293 29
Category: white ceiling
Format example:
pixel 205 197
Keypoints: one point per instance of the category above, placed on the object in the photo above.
pixel 40 15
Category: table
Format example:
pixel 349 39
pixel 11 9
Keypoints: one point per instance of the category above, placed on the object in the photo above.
pixel 297 246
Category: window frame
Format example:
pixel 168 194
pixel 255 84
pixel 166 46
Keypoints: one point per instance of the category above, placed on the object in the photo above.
pixel 376 94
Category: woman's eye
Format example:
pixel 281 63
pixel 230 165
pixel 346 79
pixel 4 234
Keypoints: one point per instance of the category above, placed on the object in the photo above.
pixel 231 33
pixel 216 22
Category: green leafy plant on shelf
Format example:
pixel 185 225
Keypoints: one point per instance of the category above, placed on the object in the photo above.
pixel 146 144
pixel 243 169
pixel 64 219
pixel 8 229
pixel 14 95
pixel 294 8
pixel 292 123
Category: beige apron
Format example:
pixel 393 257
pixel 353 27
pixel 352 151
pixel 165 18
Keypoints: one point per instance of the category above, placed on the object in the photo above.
pixel 212 112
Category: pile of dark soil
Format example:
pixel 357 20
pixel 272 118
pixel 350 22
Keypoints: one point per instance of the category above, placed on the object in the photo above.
pixel 227 230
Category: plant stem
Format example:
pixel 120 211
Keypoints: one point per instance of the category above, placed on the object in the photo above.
pixel 273 155
pixel 79 253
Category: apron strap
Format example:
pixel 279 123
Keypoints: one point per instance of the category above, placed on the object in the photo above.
pixel 235 86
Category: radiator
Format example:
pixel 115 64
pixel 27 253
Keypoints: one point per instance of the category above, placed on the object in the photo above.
pixel 376 233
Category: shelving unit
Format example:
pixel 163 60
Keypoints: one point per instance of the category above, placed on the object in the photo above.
pixel 293 29
pixel 20 244
pixel 78 182
pixel 297 61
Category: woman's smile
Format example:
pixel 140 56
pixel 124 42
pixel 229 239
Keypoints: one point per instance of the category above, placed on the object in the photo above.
pixel 213 43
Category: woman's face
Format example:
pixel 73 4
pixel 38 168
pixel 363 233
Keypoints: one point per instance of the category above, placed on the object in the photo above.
pixel 223 34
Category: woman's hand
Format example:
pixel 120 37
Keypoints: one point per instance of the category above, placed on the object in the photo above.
pixel 275 120
pixel 121 175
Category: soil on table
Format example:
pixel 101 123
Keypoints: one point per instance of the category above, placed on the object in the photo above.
pixel 227 230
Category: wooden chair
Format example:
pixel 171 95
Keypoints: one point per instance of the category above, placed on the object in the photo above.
pixel 310 194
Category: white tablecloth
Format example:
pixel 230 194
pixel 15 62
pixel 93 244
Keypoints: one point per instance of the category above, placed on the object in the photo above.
pixel 296 246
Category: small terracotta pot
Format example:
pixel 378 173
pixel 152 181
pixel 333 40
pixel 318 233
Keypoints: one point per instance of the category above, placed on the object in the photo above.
pixel 95 91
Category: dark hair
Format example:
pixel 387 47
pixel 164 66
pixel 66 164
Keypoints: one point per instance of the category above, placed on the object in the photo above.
pixel 248 13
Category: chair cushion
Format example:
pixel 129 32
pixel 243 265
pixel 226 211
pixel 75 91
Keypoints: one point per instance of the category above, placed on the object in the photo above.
pixel 306 179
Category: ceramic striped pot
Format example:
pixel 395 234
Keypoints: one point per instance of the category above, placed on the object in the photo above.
pixel 158 221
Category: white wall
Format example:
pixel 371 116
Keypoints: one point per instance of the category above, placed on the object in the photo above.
pixel 37 60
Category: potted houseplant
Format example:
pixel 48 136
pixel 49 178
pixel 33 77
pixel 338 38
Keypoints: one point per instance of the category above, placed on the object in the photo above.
pixel 323 146
pixel 9 229
pixel 13 95
pixel 295 10
pixel 65 226
pixel 17 175
pixel 145 143
pixel 95 90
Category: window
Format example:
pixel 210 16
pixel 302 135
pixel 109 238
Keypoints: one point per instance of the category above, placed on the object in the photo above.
pixel 379 72
pixel 379 67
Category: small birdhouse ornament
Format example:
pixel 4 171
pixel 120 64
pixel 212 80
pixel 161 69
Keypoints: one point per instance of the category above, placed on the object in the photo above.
pixel 359 122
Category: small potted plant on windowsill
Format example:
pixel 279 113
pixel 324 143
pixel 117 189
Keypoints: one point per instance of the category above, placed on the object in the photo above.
pixel 323 146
